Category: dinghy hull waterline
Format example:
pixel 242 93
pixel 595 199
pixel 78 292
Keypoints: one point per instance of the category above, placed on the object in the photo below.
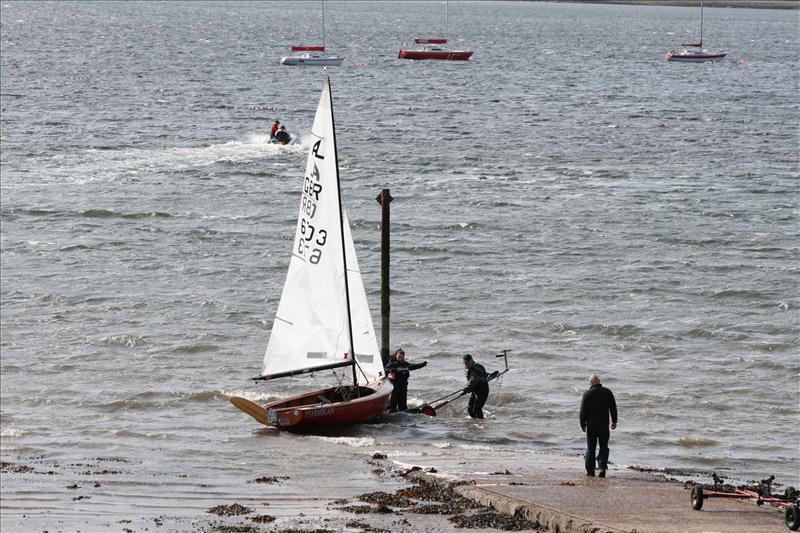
pixel 321 408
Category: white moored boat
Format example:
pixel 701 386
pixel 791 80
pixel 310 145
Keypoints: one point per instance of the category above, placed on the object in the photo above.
pixel 313 55
pixel 694 52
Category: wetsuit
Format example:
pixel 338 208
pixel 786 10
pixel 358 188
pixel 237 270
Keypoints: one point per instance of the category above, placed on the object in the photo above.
pixel 596 405
pixel 282 136
pixel 400 382
pixel 479 387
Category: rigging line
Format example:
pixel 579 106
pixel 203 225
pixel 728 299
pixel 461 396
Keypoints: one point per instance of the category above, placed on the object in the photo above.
pixel 362 372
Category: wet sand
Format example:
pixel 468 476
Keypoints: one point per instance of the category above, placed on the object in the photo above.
pixel 479 491
pixel 114 494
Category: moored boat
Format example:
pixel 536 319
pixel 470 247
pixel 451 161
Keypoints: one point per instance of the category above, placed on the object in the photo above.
pixel 690 55
pixel 435 49
pixel 694 52
pixel 323 303
pixel 313 55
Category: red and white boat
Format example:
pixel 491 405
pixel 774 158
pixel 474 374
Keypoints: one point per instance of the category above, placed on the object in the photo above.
pixel 694 52
pixel 313 55
pixel 323 322
pixel 435 49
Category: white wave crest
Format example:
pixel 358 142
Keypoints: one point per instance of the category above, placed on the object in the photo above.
pixel 12 432
pixel 353 442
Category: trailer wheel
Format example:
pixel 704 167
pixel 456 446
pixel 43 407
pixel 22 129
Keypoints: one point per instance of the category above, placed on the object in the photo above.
pixel 697 498
pixel 792 517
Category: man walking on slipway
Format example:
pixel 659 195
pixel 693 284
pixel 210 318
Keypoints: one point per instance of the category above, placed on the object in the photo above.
pixel 597 403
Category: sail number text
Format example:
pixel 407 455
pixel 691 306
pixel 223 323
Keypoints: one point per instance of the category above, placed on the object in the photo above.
pixel 313 238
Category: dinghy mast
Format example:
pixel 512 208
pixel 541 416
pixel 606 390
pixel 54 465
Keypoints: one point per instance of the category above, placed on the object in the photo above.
pixel 344 251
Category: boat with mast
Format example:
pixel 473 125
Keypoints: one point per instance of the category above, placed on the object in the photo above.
pixel 313 55
pixel 694 52
pixel 323 320
pixel 435 48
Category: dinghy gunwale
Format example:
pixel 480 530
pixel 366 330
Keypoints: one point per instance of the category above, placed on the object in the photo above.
pixel 304 410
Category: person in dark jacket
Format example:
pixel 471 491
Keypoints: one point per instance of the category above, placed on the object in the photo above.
pixel 398 371
pixel 597 403
pixel 478 385
pixel 282 136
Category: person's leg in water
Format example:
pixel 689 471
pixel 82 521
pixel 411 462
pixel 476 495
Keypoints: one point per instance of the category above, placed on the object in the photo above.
pixel 401 391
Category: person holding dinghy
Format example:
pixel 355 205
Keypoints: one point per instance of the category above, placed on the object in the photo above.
pixel 478 385
pixel 398 371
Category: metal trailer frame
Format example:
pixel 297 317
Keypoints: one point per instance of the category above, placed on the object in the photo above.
pixel 790 501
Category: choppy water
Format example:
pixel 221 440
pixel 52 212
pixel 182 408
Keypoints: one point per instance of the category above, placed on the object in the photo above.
pixel 567 194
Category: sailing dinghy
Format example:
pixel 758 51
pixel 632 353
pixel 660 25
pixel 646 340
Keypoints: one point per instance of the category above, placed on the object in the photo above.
pixel 323 320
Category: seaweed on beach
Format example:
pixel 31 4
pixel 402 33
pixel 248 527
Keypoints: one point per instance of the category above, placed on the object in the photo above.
pixel 384 498
pixel 364 527
pixel 262 519
pixel 270 480
pixel 367 509
pixel 494 520
pixel 16 469
pixel 230 510
pixel 237 528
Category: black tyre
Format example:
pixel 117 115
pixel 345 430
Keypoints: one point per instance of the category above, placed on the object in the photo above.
pixel 792 517
pixel 697 498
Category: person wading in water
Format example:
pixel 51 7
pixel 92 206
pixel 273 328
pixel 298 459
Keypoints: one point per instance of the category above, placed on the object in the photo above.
pixel 398 371
pixel 478 385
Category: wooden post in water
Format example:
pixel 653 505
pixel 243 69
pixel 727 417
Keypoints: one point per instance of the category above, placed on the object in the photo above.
pixel 384 198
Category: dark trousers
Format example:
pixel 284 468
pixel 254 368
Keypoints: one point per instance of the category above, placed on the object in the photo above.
pixel 593 436
pixel 399 396
pixel 477 401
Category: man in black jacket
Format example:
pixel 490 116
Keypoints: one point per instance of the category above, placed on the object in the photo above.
pixel 398 371
pixel 596 405
pixel 478 385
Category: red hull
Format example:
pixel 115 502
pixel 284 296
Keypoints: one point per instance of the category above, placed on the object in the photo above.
pixel 458 55
pixel 325 408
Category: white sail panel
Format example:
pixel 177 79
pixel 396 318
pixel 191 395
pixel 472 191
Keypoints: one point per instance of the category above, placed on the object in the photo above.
pixel 365 344
pixel 310 327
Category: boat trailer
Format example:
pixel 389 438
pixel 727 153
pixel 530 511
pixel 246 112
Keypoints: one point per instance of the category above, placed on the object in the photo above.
pixel 760 495
pixel 429 409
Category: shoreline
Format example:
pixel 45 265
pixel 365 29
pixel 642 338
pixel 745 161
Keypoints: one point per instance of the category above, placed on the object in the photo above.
pixel 504 490
pixel 747 4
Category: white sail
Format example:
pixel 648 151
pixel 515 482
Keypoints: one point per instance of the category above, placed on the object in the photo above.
pixel 364 340
pixel 311 324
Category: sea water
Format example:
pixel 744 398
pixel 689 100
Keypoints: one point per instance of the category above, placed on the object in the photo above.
pixel 567 194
